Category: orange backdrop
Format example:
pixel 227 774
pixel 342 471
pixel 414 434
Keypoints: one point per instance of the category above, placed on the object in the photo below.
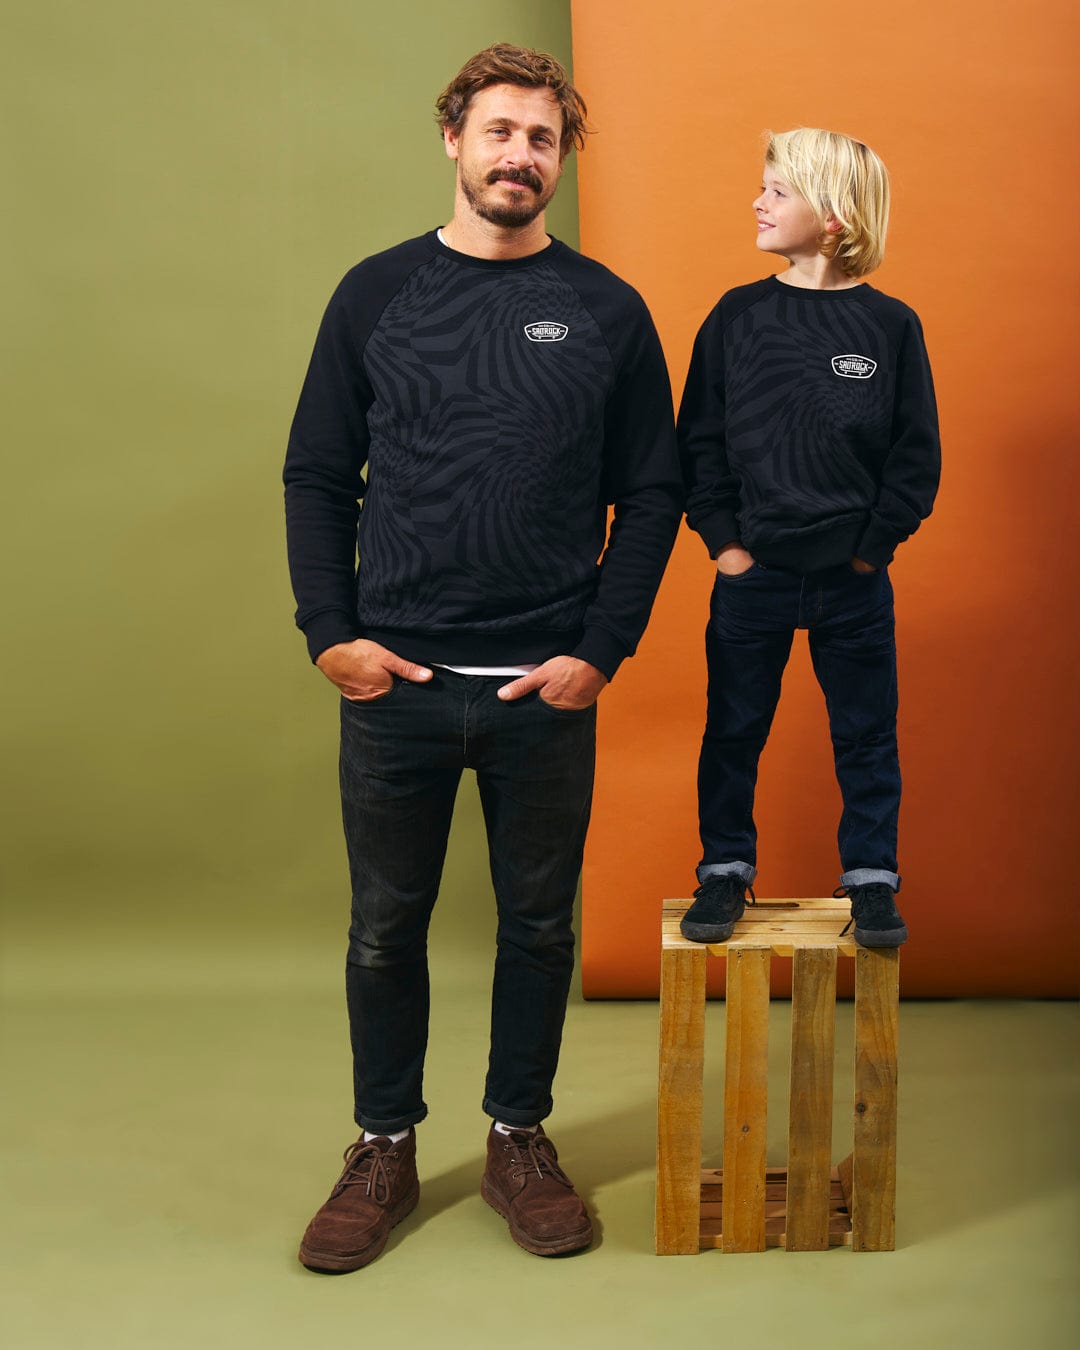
pixel 973 111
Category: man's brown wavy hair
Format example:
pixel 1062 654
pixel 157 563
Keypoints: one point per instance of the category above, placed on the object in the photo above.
pixel 504 63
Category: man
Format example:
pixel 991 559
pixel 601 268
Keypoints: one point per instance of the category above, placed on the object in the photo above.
pixel 502 391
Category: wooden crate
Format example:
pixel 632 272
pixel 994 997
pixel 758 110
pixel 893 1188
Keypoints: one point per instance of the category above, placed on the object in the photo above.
pixel 810 1204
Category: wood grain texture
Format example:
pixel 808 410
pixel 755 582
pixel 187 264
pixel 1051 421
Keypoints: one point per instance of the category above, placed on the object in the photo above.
pixel 781 925
pixel 678 1135
pixel 813 1004
pixel 746 1081
pixel 776 1209
pixel 873 1183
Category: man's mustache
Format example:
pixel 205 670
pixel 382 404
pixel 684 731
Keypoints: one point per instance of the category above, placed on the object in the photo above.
pixel 522 176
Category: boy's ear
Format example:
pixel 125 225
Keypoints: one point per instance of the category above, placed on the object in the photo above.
pixel 832 225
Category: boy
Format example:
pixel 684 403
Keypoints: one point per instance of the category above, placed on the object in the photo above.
pixel 808 432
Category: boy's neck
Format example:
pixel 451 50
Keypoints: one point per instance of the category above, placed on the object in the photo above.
pixel 817 273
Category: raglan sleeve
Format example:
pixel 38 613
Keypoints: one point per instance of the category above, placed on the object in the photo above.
pixel 643 483
pixel 912 467
pixel 712 490
pixel 327 451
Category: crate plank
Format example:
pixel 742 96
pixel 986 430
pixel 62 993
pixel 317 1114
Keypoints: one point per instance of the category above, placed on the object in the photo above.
pixel 813 1003
pixel 682 1062
pixel 746 1082
pixel 873 1184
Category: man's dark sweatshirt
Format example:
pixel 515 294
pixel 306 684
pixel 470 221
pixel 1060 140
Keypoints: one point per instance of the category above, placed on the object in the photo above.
pixel 808 427
pixel 499 407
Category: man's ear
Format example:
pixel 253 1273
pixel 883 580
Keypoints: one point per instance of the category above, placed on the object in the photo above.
pixel 450 142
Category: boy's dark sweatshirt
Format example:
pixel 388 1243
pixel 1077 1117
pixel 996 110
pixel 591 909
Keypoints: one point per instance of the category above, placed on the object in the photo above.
pixel 808 428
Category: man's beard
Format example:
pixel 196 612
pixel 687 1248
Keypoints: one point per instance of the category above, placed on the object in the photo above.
pixel 513 214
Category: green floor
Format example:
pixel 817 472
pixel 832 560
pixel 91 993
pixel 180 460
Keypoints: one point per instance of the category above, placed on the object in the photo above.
pixel 171 1136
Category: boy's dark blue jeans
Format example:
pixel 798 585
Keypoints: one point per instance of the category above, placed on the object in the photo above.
pixel 402 756
pixel 849 618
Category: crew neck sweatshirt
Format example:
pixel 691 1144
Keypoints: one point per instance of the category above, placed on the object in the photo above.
pixel 808 425
pixel 485 413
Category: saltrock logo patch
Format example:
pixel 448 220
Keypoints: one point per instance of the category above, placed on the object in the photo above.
pixel 546 332
pixel 853 367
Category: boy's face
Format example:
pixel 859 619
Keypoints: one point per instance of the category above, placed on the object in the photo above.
pixel 786 223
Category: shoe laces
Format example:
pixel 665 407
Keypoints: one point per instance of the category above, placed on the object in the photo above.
pixel 535 1153
pixel 732 881
pixel 861 895
pixel 365 1165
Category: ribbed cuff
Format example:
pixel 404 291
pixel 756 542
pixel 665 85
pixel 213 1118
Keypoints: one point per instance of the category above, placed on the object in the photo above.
pixel 718 530
pixel 328 629
pixel 602 650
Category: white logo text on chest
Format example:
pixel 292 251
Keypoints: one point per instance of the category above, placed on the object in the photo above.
pixel 546 331
pixel 853 367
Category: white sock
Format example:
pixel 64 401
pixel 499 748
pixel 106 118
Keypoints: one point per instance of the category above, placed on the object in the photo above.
pixel 394 1138
pixel 505 1129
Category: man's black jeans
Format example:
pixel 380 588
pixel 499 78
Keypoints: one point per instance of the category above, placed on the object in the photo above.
pixel 402 756
pixel 849 618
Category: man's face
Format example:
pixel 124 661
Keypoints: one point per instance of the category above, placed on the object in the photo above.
pixel 507 153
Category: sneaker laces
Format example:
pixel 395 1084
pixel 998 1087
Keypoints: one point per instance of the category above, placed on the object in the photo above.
pixel 842 893
pixel 729 876
pixel 536 1153
pixel 365 1165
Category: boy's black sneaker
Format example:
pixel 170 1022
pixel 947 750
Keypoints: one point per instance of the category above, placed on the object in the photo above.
pixel 875 916
pixel 718 906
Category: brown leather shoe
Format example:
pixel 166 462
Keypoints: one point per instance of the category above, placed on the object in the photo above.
pixel 377 1189
pixel 525 1184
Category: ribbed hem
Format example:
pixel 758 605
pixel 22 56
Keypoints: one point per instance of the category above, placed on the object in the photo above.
pixel 811 550
pixel 521 647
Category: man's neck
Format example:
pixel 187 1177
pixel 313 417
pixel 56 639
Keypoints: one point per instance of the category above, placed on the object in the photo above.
pixel 479 238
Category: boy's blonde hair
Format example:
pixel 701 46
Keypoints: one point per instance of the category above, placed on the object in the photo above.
pixel 839 177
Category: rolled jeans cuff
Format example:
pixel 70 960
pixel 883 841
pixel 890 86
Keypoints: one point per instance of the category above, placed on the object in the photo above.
pixel 394 1126
pixel 524 1120
pixel 867 876
pixel 728 869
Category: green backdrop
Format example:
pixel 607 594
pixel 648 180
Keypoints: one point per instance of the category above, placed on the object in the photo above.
pixel 190 182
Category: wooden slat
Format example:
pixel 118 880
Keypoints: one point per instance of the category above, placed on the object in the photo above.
pixel 777 1230
pixel 682 1060
pixel 746 1079
pixel 844 1170
pixel 873 1185
pixel 813 1004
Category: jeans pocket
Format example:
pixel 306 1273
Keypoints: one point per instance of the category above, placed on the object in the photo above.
pixel 739 576
pixel 379 698
pixel 564 712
